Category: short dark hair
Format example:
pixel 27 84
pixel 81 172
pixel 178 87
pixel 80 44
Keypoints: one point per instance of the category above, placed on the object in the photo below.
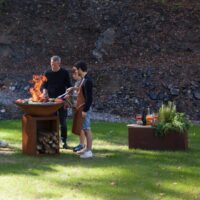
pixel 81 65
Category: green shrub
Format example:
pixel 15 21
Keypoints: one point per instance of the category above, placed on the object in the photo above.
pixel 167 112
pixel 171 121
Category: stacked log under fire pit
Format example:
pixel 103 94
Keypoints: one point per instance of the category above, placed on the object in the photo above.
pixel 47 143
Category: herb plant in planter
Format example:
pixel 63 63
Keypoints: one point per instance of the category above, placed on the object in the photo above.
pixel 171 121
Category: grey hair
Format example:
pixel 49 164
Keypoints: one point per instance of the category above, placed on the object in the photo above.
pixel 56 58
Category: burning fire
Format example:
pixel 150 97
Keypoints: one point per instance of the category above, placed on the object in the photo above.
pixel 36 94
pixel 35 91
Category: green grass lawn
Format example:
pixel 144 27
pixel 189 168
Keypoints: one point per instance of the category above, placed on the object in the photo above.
pixel 116 173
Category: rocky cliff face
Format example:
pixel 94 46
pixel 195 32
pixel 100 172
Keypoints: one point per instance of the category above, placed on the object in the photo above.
pixel 140 52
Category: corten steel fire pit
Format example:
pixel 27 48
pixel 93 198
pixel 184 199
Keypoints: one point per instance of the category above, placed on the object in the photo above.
pixel 40 128
pixel 40 135
pixel 40 125
pixel 40 108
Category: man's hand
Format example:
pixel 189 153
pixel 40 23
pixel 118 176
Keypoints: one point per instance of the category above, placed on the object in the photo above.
pixel 76 88
pixel 84 114
pixel 67 97
pixel 69 89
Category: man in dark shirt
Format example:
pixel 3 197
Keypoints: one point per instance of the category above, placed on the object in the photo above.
pixel 87 93
pixel 58 81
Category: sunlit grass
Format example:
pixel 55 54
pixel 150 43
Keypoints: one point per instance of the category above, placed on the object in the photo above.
pixel 116 173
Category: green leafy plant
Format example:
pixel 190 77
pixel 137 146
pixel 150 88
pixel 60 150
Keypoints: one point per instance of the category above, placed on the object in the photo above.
pixel 171 121
pixel 167 112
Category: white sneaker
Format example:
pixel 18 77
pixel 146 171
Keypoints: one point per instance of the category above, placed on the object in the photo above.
pixel 3 144
pixel 81 152
pixel 87 154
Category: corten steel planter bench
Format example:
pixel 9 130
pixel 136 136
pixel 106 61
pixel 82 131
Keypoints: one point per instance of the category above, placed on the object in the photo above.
pixel 143 137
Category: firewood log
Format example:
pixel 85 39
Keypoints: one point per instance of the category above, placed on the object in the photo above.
pixel 48 142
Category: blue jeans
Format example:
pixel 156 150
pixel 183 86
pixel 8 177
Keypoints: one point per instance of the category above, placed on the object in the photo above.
pixel 87 121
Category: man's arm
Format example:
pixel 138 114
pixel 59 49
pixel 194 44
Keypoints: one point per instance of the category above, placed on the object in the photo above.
pixel 88 95
pixel 67 81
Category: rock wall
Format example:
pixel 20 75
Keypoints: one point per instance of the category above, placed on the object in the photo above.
pixel 140 52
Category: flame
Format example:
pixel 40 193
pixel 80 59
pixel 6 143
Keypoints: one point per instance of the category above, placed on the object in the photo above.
pixel 35 91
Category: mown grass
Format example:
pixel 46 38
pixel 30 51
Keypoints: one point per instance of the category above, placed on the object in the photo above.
pixel 116 173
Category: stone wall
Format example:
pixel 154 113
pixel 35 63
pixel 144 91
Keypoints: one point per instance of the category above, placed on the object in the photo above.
pixel 140 52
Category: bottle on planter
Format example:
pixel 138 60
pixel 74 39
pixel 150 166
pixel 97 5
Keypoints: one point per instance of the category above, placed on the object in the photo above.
pixel 149 117
pixel 144 117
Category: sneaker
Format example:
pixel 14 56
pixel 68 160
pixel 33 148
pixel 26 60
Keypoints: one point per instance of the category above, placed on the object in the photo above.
pixel 81 152
pixel 3 144
pixel 87 154
pixel 78 148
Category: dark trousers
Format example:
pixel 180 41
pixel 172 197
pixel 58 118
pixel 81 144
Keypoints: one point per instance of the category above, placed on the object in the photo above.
pixel 62 113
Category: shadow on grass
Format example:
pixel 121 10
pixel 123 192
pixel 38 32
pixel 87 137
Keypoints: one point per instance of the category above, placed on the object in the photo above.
pixel 141 174
pixel 138 173
pixel 127 173
pixel 124 186
pixel 103 158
